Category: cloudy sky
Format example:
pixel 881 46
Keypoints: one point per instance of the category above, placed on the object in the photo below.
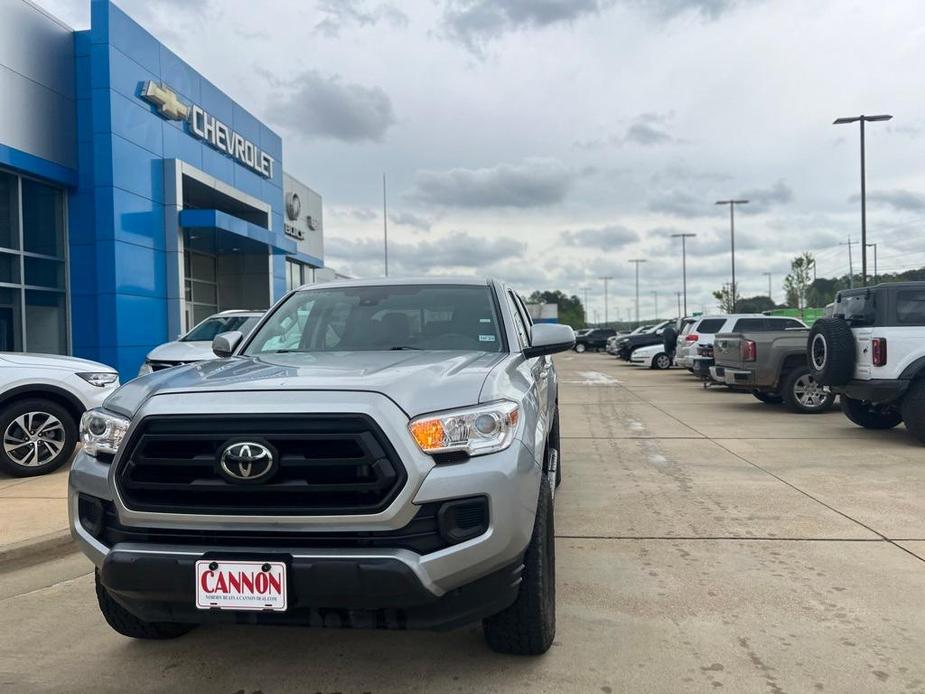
pixel 548 142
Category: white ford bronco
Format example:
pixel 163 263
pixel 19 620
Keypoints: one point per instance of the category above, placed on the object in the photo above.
pixel 872 352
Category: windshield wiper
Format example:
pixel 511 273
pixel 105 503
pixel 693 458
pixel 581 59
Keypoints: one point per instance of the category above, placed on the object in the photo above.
pixel 394 349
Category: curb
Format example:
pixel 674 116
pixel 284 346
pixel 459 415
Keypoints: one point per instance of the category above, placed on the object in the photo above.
pixel 37 548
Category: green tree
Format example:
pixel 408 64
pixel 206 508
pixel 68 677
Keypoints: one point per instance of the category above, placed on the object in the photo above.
pixel 755 304
pixel 724 297
pixel 571 311
pixel 798 282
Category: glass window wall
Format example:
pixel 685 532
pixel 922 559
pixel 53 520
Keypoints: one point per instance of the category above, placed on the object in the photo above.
pixel 33 266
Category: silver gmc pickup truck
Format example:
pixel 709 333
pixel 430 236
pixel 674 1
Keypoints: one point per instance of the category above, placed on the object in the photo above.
pixel 374 454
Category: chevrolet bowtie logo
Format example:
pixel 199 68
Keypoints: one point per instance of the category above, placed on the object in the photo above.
pixel 168 105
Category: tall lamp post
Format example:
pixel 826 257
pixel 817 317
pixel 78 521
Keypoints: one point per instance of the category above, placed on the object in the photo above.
pixel 768 274
pixel 732 238
pixel 862 119
pixel 636 261
pixel 875 260
pixel 684 238
pixel 385 226
pixel 606 280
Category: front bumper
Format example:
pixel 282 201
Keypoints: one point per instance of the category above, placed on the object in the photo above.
pixel 879 390
pixel 337 591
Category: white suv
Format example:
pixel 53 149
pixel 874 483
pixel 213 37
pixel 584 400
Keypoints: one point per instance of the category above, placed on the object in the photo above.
pixel 196 345
pixel 42 398
pixel 872 352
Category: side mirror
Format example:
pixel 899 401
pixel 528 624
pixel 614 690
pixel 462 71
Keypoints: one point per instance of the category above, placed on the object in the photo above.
pixel 549 338
pixel 224 344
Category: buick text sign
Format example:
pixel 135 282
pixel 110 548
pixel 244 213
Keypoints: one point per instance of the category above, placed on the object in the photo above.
pixel 208 128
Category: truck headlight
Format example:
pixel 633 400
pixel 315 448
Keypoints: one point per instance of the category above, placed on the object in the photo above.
pixel 474 430
pixel 100 379
pixel 102 432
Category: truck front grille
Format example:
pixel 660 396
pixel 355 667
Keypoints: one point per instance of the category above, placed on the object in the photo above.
pixel 328 465
pixel 421 535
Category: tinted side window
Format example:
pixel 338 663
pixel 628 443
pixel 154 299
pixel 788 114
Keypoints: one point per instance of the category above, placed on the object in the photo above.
pixel 524 313
pixel 790 323
pixel 910 307
pixel 751 325
pixel 518 321
pixel 710 325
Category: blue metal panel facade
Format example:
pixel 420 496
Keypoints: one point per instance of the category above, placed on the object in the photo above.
pixel 118 251
pixel 123 201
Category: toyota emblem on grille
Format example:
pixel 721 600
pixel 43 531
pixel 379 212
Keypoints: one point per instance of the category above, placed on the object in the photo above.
pixel 247 461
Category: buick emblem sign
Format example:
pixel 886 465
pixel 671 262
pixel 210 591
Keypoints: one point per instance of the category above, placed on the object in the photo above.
pixel 247 461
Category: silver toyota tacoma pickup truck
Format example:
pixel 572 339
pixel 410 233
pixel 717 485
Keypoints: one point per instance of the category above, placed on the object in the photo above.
pixel 374 454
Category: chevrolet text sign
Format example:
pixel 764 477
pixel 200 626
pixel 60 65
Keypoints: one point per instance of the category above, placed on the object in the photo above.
pixel 206 127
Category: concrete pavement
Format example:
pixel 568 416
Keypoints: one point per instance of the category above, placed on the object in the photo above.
pixel 706 542
pixel 33 516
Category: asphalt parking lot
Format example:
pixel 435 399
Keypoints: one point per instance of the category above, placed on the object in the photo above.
pixel 706 542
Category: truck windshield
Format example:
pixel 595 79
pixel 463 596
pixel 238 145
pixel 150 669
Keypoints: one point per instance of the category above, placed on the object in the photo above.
pixel 382 318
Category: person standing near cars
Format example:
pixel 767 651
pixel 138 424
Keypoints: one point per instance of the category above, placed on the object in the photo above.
pixel 670 340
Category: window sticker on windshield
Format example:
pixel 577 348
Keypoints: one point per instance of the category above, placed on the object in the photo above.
pixel 486 338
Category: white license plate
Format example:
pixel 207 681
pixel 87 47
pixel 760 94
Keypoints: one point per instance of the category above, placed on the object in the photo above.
pixel 241 585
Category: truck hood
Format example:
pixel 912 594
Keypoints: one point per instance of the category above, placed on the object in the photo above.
pixel 418 382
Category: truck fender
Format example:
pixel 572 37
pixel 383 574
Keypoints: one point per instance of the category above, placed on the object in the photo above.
pixel 914 370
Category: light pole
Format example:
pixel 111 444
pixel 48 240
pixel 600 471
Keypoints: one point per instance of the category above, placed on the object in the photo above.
pixel 769 285
pixel 875 260
pixel 655 299
pixel 637 261
pixel 732 238
pixel 680 315
pixel 606 280
pixel 684 238
pixel 862 119
pixel 587 309
pixel 385 226
pixel 849 243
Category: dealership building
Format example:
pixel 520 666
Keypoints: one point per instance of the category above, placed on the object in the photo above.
pixel 136 198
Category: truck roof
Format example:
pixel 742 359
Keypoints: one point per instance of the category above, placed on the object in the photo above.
pixel 399 281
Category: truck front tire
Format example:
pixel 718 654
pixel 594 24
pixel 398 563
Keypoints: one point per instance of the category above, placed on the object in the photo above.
pixel 913 409
pixel 528 627
pixel 869 415
pixel 129 625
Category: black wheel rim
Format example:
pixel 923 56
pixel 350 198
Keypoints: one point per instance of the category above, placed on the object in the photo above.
pixel 819 352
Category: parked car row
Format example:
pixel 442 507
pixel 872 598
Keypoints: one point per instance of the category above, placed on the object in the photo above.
pixel 868 351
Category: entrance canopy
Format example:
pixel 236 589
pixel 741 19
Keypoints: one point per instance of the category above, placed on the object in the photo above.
pixel 216 219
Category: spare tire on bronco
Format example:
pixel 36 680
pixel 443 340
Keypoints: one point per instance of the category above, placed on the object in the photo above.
pixel 831 352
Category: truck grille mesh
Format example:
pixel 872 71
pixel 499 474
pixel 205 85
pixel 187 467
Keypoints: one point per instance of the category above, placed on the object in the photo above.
pixel 328 465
